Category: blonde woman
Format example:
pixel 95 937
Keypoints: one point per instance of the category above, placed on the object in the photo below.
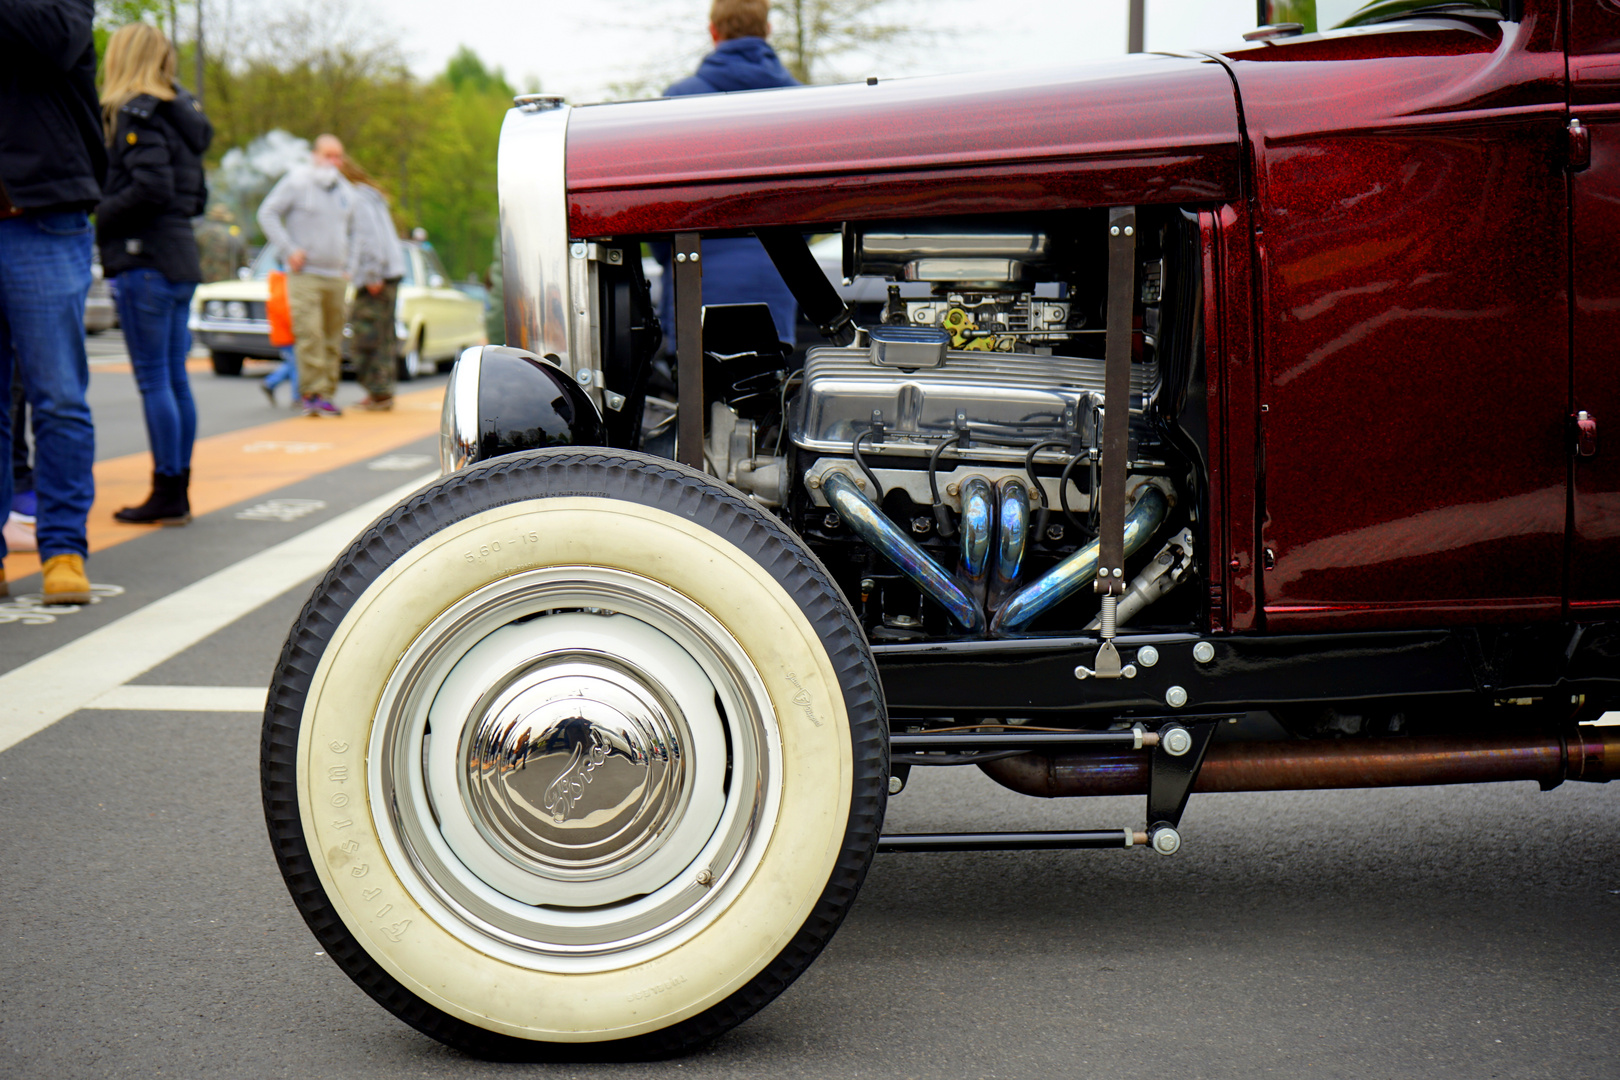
pixel 156 135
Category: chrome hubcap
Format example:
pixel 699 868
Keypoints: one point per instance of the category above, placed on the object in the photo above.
pixel 578 767
pixel 574 767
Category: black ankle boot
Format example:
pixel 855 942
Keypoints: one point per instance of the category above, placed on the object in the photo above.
pixel 167 505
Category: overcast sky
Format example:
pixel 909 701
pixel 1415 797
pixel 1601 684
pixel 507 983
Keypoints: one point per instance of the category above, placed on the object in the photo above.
pixel 582 48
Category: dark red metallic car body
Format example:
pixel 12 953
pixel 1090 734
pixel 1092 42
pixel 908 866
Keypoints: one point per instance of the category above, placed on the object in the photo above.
pixel 1411 286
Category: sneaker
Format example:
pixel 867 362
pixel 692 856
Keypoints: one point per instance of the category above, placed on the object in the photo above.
pixel 373 403
pixel 65 582
pixel 19 532
pixel 319 406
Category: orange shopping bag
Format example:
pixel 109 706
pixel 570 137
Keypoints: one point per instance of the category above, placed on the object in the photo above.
pixel 279 311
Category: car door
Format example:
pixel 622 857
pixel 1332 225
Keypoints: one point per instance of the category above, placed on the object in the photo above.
pixel 1594 101
pixel 1412 249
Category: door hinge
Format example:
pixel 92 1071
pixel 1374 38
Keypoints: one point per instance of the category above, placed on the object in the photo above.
pixel 1580 145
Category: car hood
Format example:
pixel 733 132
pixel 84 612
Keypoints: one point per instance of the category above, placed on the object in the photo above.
pixel 1140 129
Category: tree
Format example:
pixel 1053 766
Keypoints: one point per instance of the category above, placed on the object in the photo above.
pixel 807 34
pixel 456 198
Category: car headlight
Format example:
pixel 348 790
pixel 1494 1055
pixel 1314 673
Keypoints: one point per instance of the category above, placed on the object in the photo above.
pixel 503 400
pixel 215 309
pixel 236 309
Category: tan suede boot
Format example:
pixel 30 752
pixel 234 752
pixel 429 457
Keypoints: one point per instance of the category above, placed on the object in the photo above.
pixel 65 582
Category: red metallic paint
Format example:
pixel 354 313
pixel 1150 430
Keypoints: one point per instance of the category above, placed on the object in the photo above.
pixel 1411 238
pixel 1387 295
pixel 1144 129
pixel 1594 569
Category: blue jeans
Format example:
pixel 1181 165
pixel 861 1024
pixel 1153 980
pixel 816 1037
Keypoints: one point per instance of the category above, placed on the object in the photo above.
pixel 44 276
pixel 153 312
pixel 286 373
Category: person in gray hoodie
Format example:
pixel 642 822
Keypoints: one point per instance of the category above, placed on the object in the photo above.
pixel 376 266
pixel 309 215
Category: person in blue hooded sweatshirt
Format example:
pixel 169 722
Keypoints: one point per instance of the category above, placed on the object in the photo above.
pixel 737 271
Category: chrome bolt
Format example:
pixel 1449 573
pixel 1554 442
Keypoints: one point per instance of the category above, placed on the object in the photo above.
pixel 895 785
pixel 953 489
pixel 1054 532
pixel 1128 671
pixel 1147 656
pixel 1082 672
pixel 577 251
pixel 1166 841
pixel 921 525
pixel 584 376
pixel 830 522
pixel 1203 652
pixel 1175 697
pixel 812 482
pixel 1113 230
pixel 705 878
pixel 1129 231
pixel 1175 740
pixel 693 256
pixel 680 256
pixel 615 256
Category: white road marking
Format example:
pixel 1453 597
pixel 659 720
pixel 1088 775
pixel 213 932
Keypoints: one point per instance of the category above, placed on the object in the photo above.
pixel 281 510
pixel 248 699
pixel 401 463
pixel 30 609
pixel 43 691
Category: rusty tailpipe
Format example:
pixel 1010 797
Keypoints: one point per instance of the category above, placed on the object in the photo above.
pixel 1586 753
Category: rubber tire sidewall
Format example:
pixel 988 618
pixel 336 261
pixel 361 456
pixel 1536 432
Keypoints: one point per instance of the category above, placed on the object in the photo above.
pixel 694 989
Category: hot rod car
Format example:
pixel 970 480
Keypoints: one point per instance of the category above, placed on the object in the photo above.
pixel 1229 422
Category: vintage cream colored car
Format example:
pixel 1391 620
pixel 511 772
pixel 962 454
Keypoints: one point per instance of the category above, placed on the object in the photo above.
pixel 433 320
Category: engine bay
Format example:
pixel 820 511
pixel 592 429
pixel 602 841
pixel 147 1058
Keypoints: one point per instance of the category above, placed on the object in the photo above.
pixel 940 444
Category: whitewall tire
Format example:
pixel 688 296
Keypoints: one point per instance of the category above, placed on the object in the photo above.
pixel 575 753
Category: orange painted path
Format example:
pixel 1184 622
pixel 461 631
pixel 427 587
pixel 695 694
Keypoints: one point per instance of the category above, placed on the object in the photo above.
pixel 238 465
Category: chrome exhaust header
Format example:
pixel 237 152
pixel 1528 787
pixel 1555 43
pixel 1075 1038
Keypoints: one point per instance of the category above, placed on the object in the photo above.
pixel 1074 573
pixel 871 524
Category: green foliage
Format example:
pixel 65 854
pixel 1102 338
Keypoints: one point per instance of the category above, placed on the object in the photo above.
pixel 466 72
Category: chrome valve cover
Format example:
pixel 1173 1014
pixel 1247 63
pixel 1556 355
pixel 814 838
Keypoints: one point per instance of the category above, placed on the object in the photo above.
pixel 1021 395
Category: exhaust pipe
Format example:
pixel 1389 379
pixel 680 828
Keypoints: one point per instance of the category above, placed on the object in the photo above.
pixel 1012 533
pixel 1587 753
pixel 872 525
pixel 1074 573
pixel 978 520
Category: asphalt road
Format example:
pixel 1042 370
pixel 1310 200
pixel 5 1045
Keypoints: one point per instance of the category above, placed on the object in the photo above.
pixel 144 930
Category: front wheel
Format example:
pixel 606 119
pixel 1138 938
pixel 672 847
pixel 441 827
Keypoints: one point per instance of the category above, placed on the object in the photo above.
pixel 409 365
pixel 575 753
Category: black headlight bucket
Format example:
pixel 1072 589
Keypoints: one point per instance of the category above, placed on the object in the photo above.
pixel 501 400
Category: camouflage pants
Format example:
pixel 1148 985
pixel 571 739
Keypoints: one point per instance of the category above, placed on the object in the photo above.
pixel 371 319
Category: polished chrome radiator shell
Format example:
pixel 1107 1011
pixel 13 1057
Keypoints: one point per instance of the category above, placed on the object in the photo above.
pixel 1021 394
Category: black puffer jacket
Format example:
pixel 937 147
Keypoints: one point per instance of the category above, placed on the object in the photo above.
pixel 51 155
pixel 155 186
